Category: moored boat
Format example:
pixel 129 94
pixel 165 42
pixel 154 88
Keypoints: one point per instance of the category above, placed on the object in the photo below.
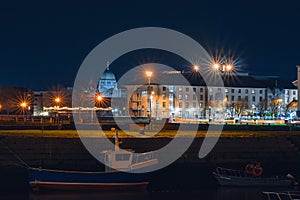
pixel 119 174
pixel 229 177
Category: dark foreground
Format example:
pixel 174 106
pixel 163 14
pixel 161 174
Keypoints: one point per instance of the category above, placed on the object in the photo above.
pixel 189 177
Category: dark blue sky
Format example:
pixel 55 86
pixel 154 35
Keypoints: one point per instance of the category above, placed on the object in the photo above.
pixel 43 44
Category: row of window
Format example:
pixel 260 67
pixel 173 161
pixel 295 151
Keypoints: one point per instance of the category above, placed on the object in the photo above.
pixel 187 97
pixel 240 91
pixel 245 98
pixel 187 105
pixel 187 89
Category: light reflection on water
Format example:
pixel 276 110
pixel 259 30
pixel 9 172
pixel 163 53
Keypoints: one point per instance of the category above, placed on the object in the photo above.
pixel 205 194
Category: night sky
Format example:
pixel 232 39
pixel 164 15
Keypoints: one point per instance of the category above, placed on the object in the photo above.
pixel 44 44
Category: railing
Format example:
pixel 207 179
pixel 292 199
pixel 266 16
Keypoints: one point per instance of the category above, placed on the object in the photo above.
pixel 232 172
pixel 144 157
pixel 282 195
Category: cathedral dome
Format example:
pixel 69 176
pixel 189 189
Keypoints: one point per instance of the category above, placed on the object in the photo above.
pixel 108 75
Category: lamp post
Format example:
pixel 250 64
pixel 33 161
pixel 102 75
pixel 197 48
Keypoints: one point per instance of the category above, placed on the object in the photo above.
pixel 57 101
pixel 99 99
pixel 149 75
pixel 23 106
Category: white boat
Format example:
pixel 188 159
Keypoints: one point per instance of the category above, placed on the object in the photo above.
pixel 115 177
pixel 230 177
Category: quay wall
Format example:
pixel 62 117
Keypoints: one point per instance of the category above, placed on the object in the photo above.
pixel 278 155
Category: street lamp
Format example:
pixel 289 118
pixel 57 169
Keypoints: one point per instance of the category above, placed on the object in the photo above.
pixel 23 105
pixel 57 100
pixel 99 99
pixel 149 75
pixel 196 68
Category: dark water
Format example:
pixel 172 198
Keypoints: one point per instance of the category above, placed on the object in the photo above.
pixel 221 193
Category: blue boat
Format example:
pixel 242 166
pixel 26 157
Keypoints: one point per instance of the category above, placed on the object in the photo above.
pixel 117 176
pixel 74 180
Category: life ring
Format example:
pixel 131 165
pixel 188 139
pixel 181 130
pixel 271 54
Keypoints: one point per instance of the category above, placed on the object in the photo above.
pixel 249 168
pixel 257 170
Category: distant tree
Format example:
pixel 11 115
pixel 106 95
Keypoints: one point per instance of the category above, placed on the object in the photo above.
pixel 239 106
pixel 275 105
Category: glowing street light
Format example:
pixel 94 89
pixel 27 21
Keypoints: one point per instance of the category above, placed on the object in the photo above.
pixel 216 66
pixel 196 68
pixel 99 98
pixel 228 68
pixel 23 104
pixel 57 100
pixel 148 74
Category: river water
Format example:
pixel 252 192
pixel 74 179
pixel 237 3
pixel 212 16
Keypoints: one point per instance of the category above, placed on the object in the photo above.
pixel 220 193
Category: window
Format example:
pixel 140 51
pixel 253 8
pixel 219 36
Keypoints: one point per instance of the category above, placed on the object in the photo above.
pixel 239 98
pixel 294 92
pixel 232 98
pixel 226 90
pixel 144 93
pixel 232 90
pixel 260 99
pixel 187 89
pixel 253 91
pixel 164 104
pixel 122 157
pixel 194 104
pixel 219 89
pixel 180 105
pixel 239 90
pixel 194 97
pixel 246 91
pixel 180 89
pixel 187 114
pixel 200 105
pixel 180 96
pixel 163 96
pixel 260 91
pixel 201 97
pixel 186 96
pixel 171 88
pixel 253 98
pixel 194 89
pixel 201 89
pixel 164 89
pixel 187 105
pixel 246 98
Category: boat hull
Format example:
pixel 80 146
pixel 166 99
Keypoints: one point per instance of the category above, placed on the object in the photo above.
pixel 77 180
pixel 226 180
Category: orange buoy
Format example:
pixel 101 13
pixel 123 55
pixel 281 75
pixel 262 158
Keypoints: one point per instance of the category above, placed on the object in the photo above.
pixel 249 168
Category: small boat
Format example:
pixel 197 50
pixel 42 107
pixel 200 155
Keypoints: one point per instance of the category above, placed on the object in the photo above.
pixel 114 177
pixel 291 195
pixel 230 177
